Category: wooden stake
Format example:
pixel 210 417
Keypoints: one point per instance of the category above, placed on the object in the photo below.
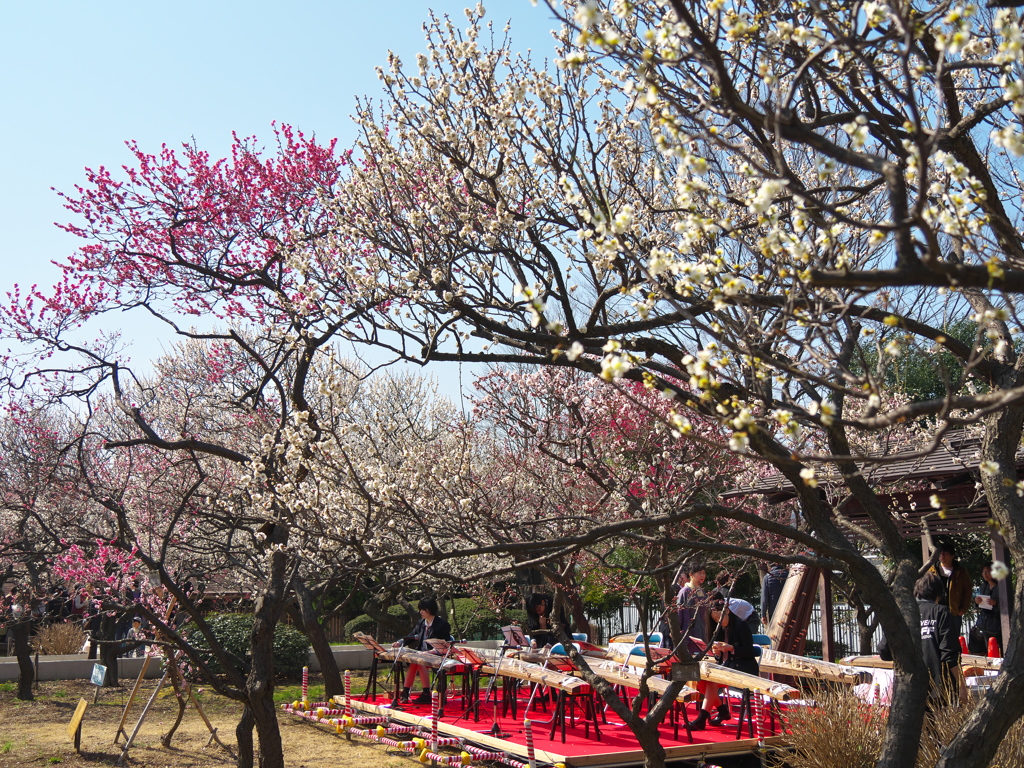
pixel 142 717
pixel 131 698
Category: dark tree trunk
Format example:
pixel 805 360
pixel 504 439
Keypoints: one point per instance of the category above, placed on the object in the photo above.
pixel 333 684
pixel 866 639
pixel 243 736
pixel 645 729
pixel 109 650
pixel 977 741
pixel 579 616
pixel 394 627
pixel 912 681
pixel 182 700
pixel 650 743
pixel 23 651
pixel 260 681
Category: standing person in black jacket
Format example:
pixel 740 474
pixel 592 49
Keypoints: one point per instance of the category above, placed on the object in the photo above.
pixel 940 635
pixel 429 627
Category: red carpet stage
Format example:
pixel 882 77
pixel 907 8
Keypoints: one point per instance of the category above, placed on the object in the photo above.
pixel 611 743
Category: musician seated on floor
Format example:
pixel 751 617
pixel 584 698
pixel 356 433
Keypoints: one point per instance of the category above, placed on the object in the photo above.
pixel 540 623
pixel 733 646
pixel 429 627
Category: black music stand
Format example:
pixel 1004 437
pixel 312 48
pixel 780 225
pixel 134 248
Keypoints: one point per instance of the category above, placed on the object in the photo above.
pixel 370 643
pixel 514 638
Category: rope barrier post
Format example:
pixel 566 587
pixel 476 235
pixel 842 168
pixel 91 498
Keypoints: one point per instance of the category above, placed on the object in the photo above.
pixel 305 687
pixel 348 693
pixel 435 703
pixel 531 752
pixel 759 725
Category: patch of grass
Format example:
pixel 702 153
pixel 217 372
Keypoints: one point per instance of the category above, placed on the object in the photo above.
pixel 289 693
pixel 59 693
pixel 286 693
pixel 53 760
pixel 7 747
pixel 7 687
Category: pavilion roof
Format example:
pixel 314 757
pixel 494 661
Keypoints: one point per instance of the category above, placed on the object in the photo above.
pixel 948 471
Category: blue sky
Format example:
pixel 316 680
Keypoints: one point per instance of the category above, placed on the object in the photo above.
pixel 81 78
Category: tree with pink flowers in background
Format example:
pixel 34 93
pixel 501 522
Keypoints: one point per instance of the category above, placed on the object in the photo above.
pixel 229 255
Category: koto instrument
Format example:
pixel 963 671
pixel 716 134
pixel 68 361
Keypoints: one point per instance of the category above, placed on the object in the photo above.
pixel 778 663
pixel 872 662
pixel 626 638
pixel 408 656
pixel 614 675
pixel 534 673
pixel 589 650
pixel 788 628
pixel 967 661
pixel 622 653
pixel 716 673
pixel 981 662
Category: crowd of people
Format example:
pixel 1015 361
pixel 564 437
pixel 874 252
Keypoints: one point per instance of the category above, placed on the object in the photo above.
pixel 83 605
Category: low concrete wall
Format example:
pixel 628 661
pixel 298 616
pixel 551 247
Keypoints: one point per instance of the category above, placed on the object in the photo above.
pixel 77 667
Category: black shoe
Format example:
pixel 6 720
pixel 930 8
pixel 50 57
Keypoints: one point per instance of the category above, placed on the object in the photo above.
pixel 700 723
pixel 723 714
pixel 423 698
pixel 404 696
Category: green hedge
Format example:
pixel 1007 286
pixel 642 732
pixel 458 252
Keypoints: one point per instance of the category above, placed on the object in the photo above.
pixel 291 647
pixel 477 621
pixel 473 621
pixel 367 625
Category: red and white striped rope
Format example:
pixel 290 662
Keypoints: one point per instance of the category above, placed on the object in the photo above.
pixel 426 755
pixel 483 754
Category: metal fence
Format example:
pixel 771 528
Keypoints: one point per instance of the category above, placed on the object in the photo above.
pixel 626 619
pixel 846 632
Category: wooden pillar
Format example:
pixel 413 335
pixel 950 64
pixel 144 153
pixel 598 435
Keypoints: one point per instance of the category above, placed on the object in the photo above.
pixel 1002 588
pixel 828 644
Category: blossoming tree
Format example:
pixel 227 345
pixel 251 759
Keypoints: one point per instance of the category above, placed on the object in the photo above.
pixel 209 248
pixel 750 193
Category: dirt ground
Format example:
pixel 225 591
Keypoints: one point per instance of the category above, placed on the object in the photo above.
pixel 35 733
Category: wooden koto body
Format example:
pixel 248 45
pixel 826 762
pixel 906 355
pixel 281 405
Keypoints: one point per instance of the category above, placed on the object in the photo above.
pixel 967 661
pixel 621 653
pixel 409 656
pixel 615 676
pixel 535 673
pixel 530 672
pixel 778 663
pixel 716 673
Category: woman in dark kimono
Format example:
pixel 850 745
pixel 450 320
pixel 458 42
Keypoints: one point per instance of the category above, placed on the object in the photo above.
pixel 733 646
pixel 540 623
